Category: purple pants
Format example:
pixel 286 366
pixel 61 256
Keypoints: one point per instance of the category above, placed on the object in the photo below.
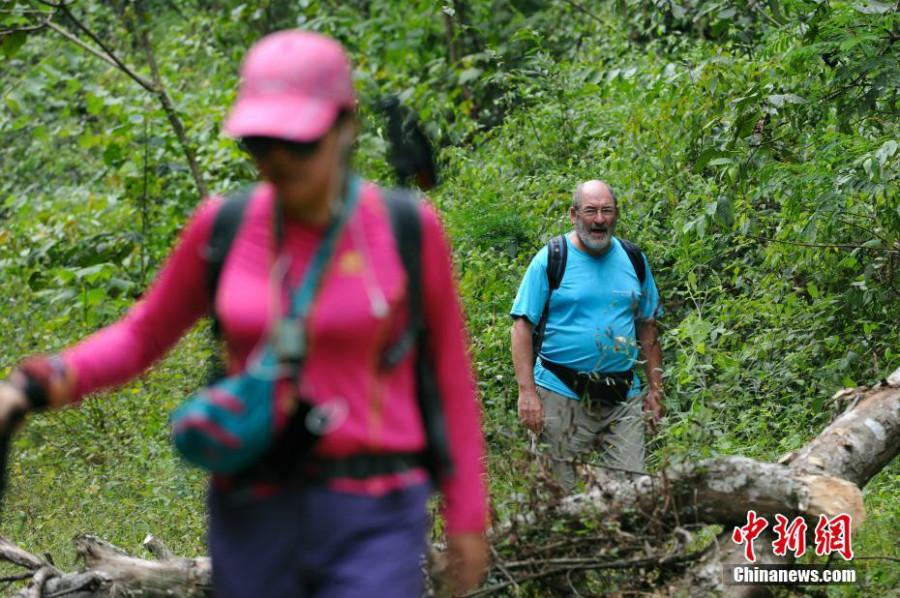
pixel 314 542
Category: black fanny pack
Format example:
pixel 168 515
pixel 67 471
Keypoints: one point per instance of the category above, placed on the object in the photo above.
pixel 608 387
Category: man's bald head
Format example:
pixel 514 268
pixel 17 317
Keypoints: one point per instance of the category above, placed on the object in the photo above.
pixel 593 189
pixel 594 213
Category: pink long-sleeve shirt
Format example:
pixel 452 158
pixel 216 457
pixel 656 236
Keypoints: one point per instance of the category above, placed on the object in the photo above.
pixel 348 335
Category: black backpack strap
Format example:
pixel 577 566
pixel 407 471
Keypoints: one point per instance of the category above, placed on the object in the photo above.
pixel 403 209
pixel 557 254
pixel 225 228
pixel 637 259
pixel 406 220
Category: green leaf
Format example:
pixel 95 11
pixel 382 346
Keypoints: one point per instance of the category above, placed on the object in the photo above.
pixel 469 75
pixel 886 151
pixel 779 100
pixel 721 162
pixel 725 211
pixel 94 104
pixel 112 155
pixel 871 7
pixel 704 158
pixel 12 43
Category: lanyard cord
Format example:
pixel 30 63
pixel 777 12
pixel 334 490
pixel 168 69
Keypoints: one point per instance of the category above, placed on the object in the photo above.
pixel 284 352
pixel 304 293
pixel 289 336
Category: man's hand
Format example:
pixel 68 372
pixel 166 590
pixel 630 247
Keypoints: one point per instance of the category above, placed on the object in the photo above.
pixel 531 411
pixel 467 557
pixel 13 405
pixel 653 408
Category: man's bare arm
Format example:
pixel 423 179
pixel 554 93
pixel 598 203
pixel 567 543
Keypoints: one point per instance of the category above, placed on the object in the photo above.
pixel 651 353
pixel 531 412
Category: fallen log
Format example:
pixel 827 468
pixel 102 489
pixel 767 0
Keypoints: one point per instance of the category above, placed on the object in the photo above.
pixel 113 573
pixel 716 491
pixel 854 447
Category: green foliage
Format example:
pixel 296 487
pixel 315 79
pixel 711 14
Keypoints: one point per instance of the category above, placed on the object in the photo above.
pixel 753 146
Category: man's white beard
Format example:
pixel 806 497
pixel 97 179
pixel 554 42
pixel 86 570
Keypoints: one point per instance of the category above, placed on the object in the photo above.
pixel 584 233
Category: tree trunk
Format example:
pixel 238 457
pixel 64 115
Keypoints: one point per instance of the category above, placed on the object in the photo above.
pixel 717 491
pixel 856 446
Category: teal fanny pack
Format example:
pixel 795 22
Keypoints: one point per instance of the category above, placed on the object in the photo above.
pixel 228 426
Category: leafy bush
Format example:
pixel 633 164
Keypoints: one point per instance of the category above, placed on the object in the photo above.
pixel 753 146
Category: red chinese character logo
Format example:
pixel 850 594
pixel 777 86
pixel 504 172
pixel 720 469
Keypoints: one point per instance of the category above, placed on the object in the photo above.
pixel 790 537
pixel 833 535
pixel 748 533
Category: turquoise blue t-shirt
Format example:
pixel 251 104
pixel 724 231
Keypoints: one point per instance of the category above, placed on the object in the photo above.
pixel 591 326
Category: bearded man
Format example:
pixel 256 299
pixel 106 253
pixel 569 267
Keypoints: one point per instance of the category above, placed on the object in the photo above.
pixel 584 316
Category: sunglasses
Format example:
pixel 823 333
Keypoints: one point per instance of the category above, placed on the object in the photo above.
pixel 261 147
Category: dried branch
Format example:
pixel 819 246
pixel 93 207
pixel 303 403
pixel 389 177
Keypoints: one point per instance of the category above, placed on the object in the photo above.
pixel 140 31
pixel 157 548
pixel 36 585
pixel 584 565
pixel 86 46
pixel 11 553
pixel 154 86
pixel 823 245
pixel 854 447
pixel 31 28
pixel 109 53
pixel 577 6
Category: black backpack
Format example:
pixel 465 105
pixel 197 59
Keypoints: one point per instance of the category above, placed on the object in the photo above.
pixel 403 208
pixel 557 254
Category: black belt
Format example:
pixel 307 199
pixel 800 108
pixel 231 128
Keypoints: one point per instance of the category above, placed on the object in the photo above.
pixel 317 470
pixel 360 467
pixel 610 387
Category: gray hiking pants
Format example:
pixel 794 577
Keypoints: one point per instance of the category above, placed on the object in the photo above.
pixel 572 428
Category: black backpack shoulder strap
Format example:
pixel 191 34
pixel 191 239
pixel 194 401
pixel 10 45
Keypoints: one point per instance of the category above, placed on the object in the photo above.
pixel 403 209
pixel 224 229
pixel 406 221
pixel 637 259
pixel 557 254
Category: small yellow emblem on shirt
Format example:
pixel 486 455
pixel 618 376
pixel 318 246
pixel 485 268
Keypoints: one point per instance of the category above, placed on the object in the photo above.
pixel 351 263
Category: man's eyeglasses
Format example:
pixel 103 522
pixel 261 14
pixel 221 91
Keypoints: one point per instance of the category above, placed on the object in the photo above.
pixel 260 147
pixel 592 212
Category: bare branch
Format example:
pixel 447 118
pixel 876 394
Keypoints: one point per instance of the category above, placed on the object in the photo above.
pixel 823 245
pixel 36 585
pixel 157 548
pixel 13 554
pixel 109 53
pixel 42 25
pixel 140 31
pixel 82 44
pixel 584 10
pixel 154 86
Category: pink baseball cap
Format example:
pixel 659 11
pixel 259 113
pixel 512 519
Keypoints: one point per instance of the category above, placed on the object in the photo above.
pixel 293 85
